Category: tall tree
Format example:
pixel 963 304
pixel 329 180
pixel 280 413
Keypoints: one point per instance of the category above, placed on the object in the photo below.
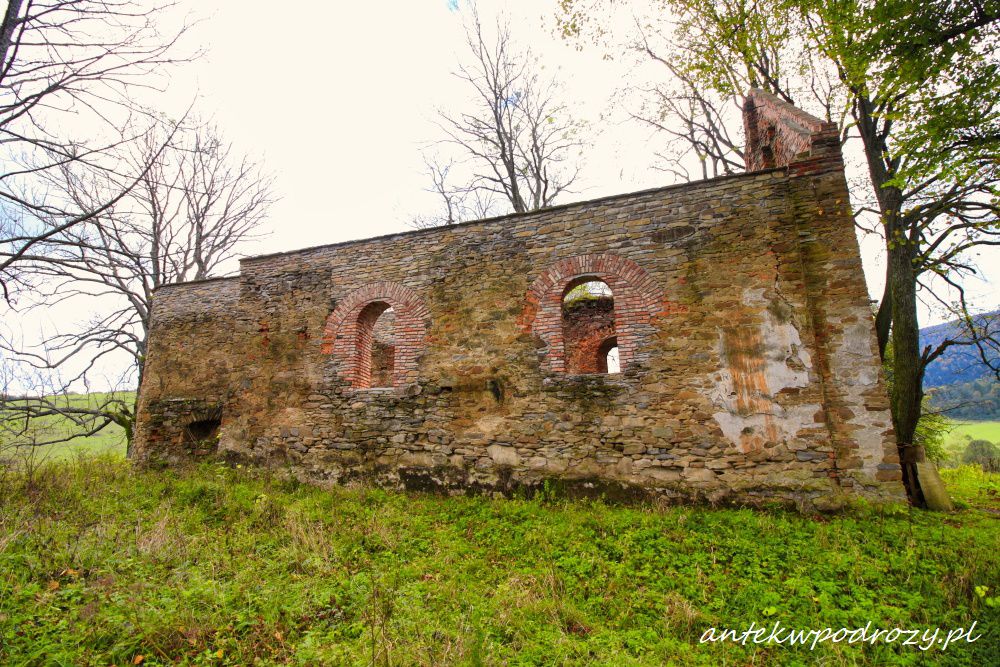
pixel 919 77
pixel 695 102
pixel 920 81
pixel 195 203
pixel 517 143
pixel 697 122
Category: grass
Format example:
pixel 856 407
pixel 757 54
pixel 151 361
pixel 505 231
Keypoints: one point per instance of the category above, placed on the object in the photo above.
pixel 103 564
pixel 969 486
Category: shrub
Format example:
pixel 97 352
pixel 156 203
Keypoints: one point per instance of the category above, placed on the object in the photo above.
pixel 983 453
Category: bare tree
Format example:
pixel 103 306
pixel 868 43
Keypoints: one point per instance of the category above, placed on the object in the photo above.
pixel 706 56
pixel 458 203
pixel 696 123
pixel 518 140
pixel 36 409
pixel 66 63
pixel 698 110
pixel 195 203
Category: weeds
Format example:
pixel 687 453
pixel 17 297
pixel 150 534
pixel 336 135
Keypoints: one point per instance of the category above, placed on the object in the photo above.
pixel 101 564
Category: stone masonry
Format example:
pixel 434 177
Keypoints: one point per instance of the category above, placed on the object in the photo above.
pixel 446 358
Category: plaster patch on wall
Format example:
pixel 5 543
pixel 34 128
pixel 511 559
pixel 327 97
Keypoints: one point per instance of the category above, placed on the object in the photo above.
pixel 503 455
pixel 758 363
pixel 856 349
pixel 489 425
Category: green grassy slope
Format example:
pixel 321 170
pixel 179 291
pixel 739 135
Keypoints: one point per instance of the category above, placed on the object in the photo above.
pixel 110 440
pixel 103 564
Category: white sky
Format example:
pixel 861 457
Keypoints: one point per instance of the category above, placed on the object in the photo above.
pixel 338 100
pixel 341 117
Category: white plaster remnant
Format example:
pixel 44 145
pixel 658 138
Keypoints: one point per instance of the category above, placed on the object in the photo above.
pixel 770 359
pixel 851 363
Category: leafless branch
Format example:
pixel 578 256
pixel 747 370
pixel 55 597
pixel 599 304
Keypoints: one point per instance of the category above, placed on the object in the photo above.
pixel 517 141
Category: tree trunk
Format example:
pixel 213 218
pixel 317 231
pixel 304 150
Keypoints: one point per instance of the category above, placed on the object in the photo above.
pixel 130 431
pixel 883 318
pixel 11 21
pixel 898 309
pixel 907 366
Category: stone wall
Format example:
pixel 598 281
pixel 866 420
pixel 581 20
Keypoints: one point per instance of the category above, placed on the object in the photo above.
pixel 196 321
pixel 749 369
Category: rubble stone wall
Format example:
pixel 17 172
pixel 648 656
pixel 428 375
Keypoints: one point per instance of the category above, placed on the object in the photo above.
pixel 749 367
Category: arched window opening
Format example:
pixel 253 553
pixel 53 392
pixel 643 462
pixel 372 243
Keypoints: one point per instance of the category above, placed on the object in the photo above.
pixel 607 357
pixel 636 303
pixel 376 346
pixel 376 336
pixel 588 323
pixel 384 349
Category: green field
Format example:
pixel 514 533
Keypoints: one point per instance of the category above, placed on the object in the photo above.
pixel 975 431
pixel 103 564
pixel 110 440
pixel 963 432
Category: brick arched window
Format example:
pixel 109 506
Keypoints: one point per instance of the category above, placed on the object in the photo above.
pixel 376 346
pixel 588 320
pixel 376 335
pixel 636 298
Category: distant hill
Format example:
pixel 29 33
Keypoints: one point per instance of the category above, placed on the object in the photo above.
pixel 958 381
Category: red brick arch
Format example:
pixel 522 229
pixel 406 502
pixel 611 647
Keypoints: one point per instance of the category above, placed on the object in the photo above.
pixel 637 299
pixel 348 330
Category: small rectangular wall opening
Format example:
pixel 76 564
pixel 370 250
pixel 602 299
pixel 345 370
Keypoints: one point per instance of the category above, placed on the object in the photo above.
pixel 201 438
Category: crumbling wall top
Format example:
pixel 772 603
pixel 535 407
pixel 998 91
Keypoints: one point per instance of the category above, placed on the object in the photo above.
pixel 779 134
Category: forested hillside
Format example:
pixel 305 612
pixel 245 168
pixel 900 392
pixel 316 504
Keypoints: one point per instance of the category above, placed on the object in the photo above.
pixel 958 381
pixel 979 399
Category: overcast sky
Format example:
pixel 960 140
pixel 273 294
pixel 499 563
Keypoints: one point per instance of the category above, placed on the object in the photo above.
pixel 338 101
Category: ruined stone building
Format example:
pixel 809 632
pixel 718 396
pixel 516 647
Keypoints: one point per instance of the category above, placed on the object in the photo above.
pixel 703 341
